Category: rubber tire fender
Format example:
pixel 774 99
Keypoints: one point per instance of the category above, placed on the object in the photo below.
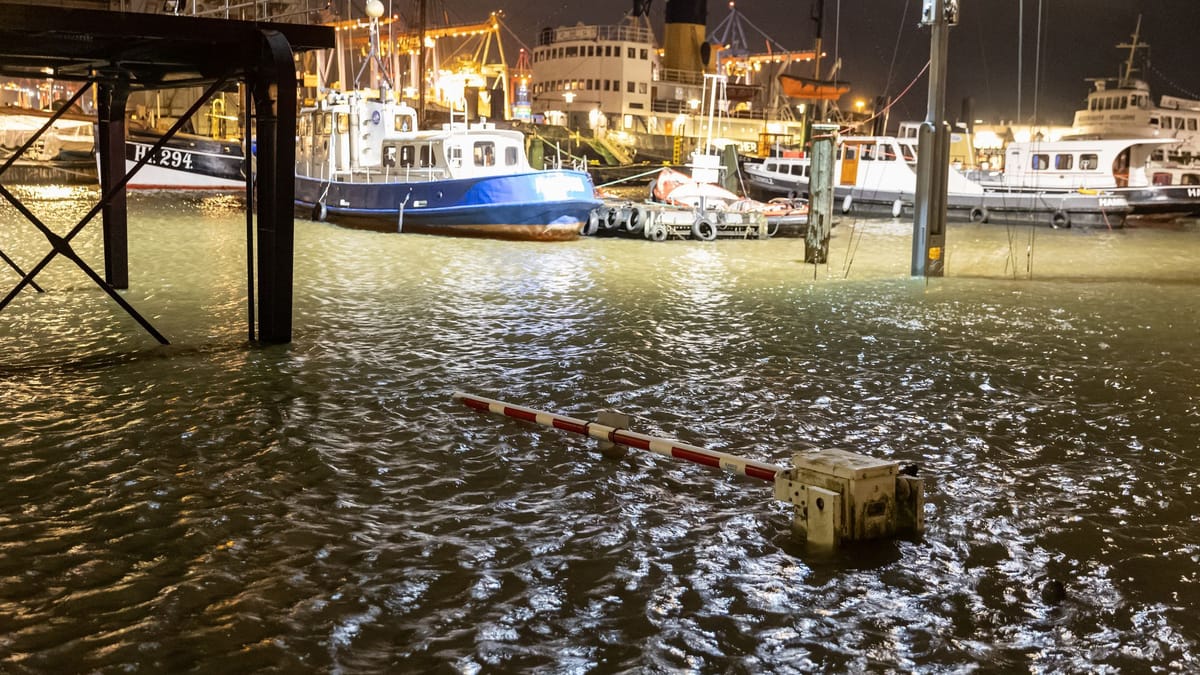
pixel 636 221
pixel 979 214
pixel 592 225
pixel 320 212
pixel 704 229
pixel 658 233
pixel 1060 220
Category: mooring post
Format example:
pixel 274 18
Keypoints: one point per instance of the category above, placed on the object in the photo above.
pixel 274 93
pixel 820 202
pixel 111 98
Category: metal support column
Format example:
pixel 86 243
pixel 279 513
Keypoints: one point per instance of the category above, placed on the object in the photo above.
pixel 111 99
pixel 274 93
pixel 933 161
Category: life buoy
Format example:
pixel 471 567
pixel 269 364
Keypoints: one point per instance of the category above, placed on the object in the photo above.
pixel 897 208
pixel 704 229
pixel 636 221
pixel 1061 219
pixel 592 224
pixel 319 212
pixel 979 214
pixel 847 204
pixel 658 233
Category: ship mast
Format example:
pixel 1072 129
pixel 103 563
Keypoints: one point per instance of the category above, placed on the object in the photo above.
pixel 1127 73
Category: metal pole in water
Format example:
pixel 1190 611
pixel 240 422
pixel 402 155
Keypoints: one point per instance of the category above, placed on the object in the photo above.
pixel 933 160
pixel 661 446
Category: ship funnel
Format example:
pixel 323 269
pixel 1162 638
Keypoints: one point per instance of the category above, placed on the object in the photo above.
pixel 684 44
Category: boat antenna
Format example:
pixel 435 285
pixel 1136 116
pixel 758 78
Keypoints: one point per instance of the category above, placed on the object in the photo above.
pixel 1128 71
pixel 374 10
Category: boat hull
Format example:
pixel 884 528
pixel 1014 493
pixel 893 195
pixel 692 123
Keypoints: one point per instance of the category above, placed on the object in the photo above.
pixel 185 163
pixel 535 205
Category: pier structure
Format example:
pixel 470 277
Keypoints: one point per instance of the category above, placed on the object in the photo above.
pixel 118 53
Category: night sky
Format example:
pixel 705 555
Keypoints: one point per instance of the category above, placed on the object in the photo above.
pixel 1078 39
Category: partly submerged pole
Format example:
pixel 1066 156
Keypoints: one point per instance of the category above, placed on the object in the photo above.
pixel 933 161
pixel 659 446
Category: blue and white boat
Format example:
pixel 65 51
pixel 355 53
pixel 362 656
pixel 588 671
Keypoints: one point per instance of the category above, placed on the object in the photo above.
pixel 362 161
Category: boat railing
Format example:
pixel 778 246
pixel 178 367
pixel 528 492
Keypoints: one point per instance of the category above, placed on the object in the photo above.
pixel 612 33
pixel 680 76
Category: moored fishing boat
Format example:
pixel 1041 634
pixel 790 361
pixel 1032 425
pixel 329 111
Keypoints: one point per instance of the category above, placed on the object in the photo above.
pixel 362 160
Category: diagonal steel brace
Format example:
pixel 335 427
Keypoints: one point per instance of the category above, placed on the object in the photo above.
pixel 62 244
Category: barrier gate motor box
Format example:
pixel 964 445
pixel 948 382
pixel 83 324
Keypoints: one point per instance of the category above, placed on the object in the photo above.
pixel 844 496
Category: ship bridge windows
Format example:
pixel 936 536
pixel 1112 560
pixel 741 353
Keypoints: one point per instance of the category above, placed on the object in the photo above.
pixel 484 153
pixel 1191 124
pixel 1179 123
pixel 408 156
pixel 1089 162
pixel 405 122
pixel 572 52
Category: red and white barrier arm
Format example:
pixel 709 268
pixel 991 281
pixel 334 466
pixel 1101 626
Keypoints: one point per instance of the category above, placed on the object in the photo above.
pixel 662 446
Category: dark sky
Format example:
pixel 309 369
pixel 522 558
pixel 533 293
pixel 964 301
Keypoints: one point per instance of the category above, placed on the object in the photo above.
pixel 1078 39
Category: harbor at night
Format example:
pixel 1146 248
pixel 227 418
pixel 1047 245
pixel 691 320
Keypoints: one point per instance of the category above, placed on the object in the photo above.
pixel 539 383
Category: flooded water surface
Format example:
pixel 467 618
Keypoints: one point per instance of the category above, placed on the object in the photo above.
pixel 323 506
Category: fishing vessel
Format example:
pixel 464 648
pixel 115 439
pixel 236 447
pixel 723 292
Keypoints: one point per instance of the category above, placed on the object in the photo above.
pixel 876 175
pixel 362 160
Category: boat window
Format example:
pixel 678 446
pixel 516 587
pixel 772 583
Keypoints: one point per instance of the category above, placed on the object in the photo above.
pixel 1178 122
pixel 343 123
pixel 1088 162
pixel 305 121
pixel 428 158
pixel 851 152
pixel 907 151
pixel 407 155
pixel 645 54
pixel 1161 178
pixel 1040 162
pixel 455 154
pixel 769 166
pixel 868 152
pixel 642 87
pixel 1191 124
pixel 389 155
pixel 797 170
pixel 1166 122
pixel 326 123
pixel 1064 162
pixel 572 51
pixel 485 153
pixel 510 156
pixel 1124 102
pixel 1190 179
pixel 404 122
pixel 631 52
pixel 887 152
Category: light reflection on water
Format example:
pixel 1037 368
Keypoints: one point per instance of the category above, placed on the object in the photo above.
pixel 323 506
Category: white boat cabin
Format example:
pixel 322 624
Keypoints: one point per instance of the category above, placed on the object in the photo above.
pixel 352 138
pixel 1074 164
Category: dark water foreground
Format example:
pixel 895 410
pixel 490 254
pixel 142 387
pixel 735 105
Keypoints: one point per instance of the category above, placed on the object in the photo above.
pixel 323 507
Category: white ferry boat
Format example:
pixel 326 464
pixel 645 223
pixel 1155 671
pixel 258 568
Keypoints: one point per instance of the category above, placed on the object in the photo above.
pixel 1123 107
pixel 877 175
